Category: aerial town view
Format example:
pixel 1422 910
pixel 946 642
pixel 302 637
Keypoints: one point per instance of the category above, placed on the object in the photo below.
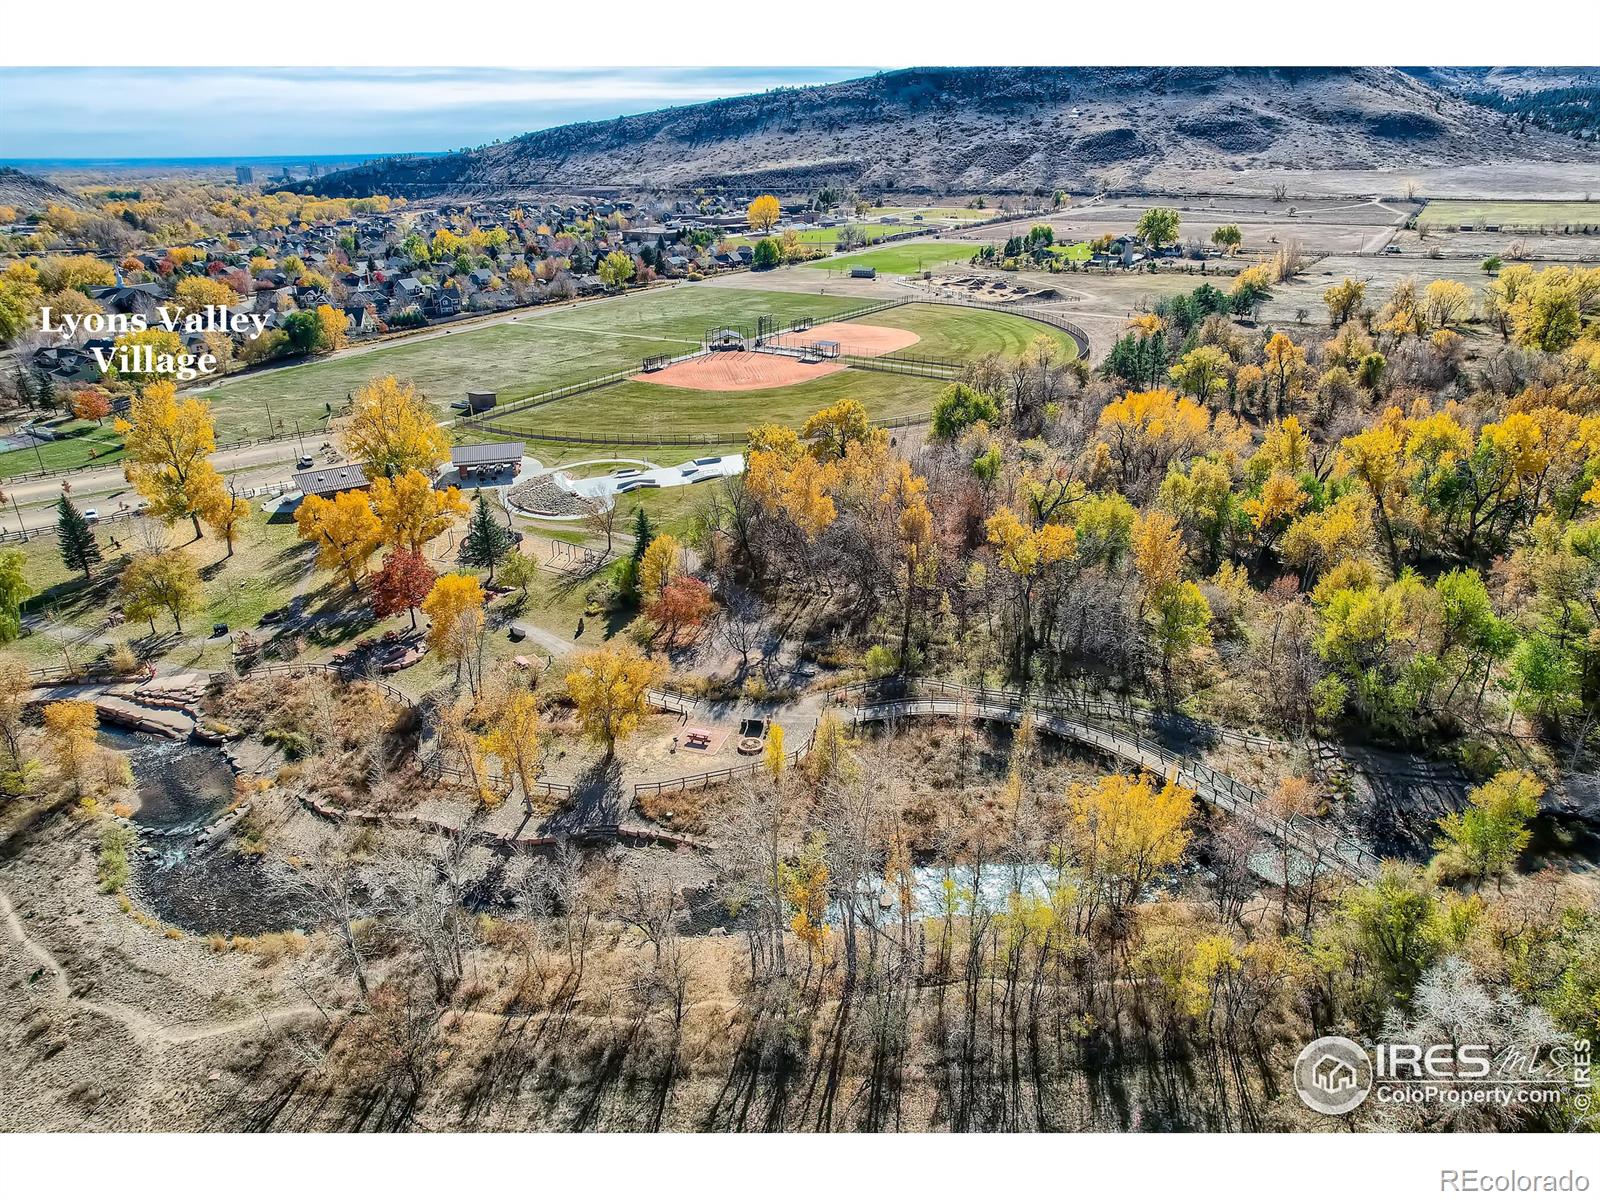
pixel 938 599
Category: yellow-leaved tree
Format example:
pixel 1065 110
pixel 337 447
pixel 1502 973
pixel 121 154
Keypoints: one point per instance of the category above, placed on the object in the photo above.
pixel 658 566
pixel 513 738
pixel 763 213
pixel 69 728
pixel 344 530
pixel 609 687
pixel 411 511
pixel 331 326
pixel 168 443
pixel 1122 834
pixel 391 430
pixel 455 614
pixel 165 582
pixel 197 291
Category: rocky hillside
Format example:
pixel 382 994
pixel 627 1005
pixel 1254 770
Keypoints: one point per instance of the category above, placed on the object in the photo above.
pixel 953 130
pixel 28 193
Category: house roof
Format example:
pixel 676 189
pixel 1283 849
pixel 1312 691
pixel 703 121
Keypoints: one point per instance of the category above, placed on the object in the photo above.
pixel 325 481
pixel 480 454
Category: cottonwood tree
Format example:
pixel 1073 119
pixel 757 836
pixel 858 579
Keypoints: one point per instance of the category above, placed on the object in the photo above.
pixel 1158 227
pixel 14 589
pixel 331 884
pixel 609 687
pixel 345 532
pixel 166 582
pixel 412 512
pixel 763 212
pixel 168 444
pixel 1488 835
pixel 600 518
pixel 227 514
pixel 743 623
pixel 454 607
pixel 391 430
pixel 513 739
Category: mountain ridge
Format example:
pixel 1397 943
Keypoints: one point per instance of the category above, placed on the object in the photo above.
pixel 962 129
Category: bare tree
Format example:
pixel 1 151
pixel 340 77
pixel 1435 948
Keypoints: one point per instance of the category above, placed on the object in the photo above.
pixel 329 884
pixel 743 623
pixel 600 519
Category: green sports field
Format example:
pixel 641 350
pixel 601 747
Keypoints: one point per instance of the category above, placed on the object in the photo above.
pixel 77 444
pixel 822 237
pixel 1556 215
pixel 965 334
pixel 537 351
pixel 650 410
pixel 900 258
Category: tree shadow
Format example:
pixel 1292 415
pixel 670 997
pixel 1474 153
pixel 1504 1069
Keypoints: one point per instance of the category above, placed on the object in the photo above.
pixel 596 800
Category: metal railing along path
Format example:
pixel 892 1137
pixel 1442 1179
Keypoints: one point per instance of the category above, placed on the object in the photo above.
pixel 1094 723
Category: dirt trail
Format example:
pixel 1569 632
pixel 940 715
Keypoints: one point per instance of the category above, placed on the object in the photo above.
pixel 143 1028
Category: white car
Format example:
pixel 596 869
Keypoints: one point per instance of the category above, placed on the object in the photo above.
pixel 91 514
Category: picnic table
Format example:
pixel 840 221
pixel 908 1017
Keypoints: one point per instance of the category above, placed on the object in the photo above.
pixel 697 738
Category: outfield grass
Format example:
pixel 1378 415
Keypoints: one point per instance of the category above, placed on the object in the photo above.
pixel 821 237
pixel 966 333
pixel 517 358
pixel 649 410
pixel 77 444
pixel 901 258
pixel 1514 214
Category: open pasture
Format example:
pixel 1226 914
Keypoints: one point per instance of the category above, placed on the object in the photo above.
pixel 827 238
pixel 1553 216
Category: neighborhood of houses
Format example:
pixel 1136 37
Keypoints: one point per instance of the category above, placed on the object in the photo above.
pixel 396 270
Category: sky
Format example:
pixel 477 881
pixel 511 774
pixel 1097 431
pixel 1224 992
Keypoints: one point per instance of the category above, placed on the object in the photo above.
pixel 171 112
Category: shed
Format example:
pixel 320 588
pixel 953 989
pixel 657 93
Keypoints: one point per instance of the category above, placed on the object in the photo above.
pixel 863 272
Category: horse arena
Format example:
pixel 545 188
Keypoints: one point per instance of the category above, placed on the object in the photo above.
pixel 781 365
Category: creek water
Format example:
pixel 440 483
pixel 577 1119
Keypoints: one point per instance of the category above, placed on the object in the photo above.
pixel 182 788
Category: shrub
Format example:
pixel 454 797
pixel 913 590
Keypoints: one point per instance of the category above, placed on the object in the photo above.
pixel 270 947
pixel 115 838
pixel 880 661
pixel 293 743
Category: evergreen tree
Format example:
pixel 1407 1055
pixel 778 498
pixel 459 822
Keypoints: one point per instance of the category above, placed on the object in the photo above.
pixel 79 549
pixel 487 541
pixel 44 390
pixel 643 534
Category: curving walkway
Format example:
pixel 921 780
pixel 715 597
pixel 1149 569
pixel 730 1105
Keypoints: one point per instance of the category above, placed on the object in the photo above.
pixel 1095 726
